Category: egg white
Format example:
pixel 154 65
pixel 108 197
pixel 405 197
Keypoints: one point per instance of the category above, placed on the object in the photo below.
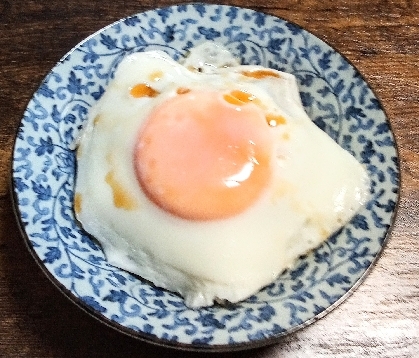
pixel 317 187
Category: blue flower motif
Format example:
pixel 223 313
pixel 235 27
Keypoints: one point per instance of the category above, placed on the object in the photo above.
pixel 97 260
pixel 307 80
pixel 201 9
pixel 121 279
pixel 209 320
pixel 232 14
pixel 53 254
pixel 109 42
pixel 368 152
pixel 161 311
pixel 331 299
pixel 148 328
pixel 259 19
pixel 132 21
pixel 74 84
pixel 307 99
pixel 354 112
pixel 164 14
pixel 45 146
pixel 92 302
pixel 96 95
pixel 318 309
pixel 202 341
pixel 209 32
pixel 375 104
pixel 116 296
pixel 87 240
pixel 42 192
pixel 293 28
pixel 266 312
pixel 45 91
pixel 338 279
pixel 275 45
pixel 169 33
pixel 299 270
pixel 91 57
pixel 360 222
pixel 20 184
pixel 324 61
pixel 302 296
pixel 324 91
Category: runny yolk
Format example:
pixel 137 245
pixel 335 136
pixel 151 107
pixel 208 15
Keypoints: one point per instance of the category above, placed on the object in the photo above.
pixel 200 157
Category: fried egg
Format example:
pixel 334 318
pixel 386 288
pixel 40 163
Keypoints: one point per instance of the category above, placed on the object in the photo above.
pixel 207 177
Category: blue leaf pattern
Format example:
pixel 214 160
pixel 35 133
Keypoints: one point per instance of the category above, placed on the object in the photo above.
pixel 333 94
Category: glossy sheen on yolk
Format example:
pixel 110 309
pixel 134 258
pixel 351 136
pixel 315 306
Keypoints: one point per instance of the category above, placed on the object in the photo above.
pixel 202 158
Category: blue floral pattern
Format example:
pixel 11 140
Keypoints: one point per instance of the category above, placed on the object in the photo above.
pixel 335 96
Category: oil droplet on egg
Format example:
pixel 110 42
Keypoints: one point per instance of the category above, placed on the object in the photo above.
pixel 275 119
pixel 260 74
pixel 182 90
pixel 324 232
pixel 79 151
pixel 239 98
pixel 77 203
pixel 96 120
pixel 121 197
pixel 143 90
pixel 283 188
pixel 156 76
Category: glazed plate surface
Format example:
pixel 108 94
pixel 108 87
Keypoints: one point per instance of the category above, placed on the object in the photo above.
pixel 334 95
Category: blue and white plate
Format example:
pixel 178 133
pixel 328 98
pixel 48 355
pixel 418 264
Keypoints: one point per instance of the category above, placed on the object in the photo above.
pixel 334 94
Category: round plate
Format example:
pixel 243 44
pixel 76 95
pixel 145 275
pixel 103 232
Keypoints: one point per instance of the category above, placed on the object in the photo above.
pixel 335 96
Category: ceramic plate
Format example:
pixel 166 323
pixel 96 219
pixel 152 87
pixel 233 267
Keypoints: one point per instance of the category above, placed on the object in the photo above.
pixel 334 94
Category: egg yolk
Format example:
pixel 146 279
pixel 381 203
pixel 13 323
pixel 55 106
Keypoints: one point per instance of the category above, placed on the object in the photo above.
pixel 201 157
